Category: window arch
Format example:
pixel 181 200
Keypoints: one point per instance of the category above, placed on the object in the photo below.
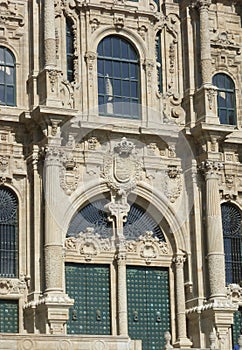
pixel 225 98
pixel 232 234
pixel 7 77
pixel 118 78
pixel 94 215
pixel 8 233
pixel 69 50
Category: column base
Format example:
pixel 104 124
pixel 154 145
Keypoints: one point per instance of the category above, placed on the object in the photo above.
pixel 183 343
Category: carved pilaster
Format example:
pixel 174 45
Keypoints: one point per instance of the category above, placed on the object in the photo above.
pixel 203 6
pixel 216 265
pixel 49 33
pixel 182 340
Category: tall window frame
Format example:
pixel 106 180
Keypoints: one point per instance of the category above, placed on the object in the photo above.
pixel 118 70
pixel 226 99
pixel 69 50
pixel 232 236
pixel 9 208
pixel 7 77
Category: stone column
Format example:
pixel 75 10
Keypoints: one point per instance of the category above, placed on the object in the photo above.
pixel 215 256
pixel 53 239
pixel 53 309
pixel 182 340
pixel 206 64
pixel 49 33
pixel 119 211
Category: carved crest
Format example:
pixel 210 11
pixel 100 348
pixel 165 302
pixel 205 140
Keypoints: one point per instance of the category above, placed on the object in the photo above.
pixel 121 168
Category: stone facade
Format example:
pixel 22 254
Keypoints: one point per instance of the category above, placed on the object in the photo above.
pixel 178 162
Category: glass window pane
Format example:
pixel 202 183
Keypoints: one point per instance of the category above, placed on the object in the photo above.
pixel 2 95
pixel 117 87
pixel 108 68
pixel 133 71
pixel 231 117
pixel 230 100
pixel 9 75
pixel 101 86
pixel 221 99
pixel 134 89
pixel 116 47
pixel 1 55
pixel 223 116
pixel 124 50
pixel 125 88
pixel 9 57
pixel 132 53
pixel 125 70
pixel 107 47
pixel 116 69
pixel 10 95
pixel 100 67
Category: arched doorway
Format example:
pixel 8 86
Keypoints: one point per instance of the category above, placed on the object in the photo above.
pixel 91 275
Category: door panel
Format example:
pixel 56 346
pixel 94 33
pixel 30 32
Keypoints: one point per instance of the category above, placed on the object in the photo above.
pixel 148 305
pixel 89 286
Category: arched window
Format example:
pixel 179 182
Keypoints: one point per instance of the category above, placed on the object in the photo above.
pixel 8 233
pixel 7 77
pixel 69 50
pixel 225 99
pixel 118 78
pixel 231 221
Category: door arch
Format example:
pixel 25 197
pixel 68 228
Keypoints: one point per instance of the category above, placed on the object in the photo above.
pixel 91 247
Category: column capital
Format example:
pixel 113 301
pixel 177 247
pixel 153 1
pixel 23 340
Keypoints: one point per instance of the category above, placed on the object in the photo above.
pixel 209 167
pixel 52 155
pixel 202 4
pixel 179 260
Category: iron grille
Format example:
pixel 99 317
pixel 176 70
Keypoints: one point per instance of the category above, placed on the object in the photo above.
pixel 95 215
pixel 231 221
pixel 8 233
pixel 8 316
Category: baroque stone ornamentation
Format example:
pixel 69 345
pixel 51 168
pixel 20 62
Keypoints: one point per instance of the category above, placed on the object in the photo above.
pixel 209 166
pixel 211 93
pixel 147 247
pixel 67 94
pixel 53 77
pixel 12 13
pixel 13 286
pixel 121 169
pixel 87 244
pixel 172 185
pixel 69 175
pixel 4 163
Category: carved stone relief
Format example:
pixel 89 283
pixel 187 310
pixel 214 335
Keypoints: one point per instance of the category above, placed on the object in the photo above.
pixel 87 244
pixel 172 186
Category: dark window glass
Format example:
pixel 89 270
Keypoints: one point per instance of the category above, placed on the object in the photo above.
pixel 70 50
pixel 225 99
pixel 8 233
pixel 159 60
pixel 7 77
pixel 118 78
pixel 231 220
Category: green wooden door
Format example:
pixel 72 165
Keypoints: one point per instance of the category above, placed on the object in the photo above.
pixel 148 305
pixel 237 326
pixel 8 316
pixel 89 286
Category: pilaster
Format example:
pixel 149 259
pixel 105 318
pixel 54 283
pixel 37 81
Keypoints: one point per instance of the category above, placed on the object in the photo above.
pixel 182 340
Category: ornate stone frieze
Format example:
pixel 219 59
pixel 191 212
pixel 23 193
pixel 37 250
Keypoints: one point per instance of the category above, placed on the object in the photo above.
pixel 13 286
pixel 88 244
pixel 12 13
pixel 122 170
pixel 147 247
pixel 225 40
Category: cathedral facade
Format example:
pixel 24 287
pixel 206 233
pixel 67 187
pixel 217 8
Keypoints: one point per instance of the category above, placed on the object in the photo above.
pixel 120 174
